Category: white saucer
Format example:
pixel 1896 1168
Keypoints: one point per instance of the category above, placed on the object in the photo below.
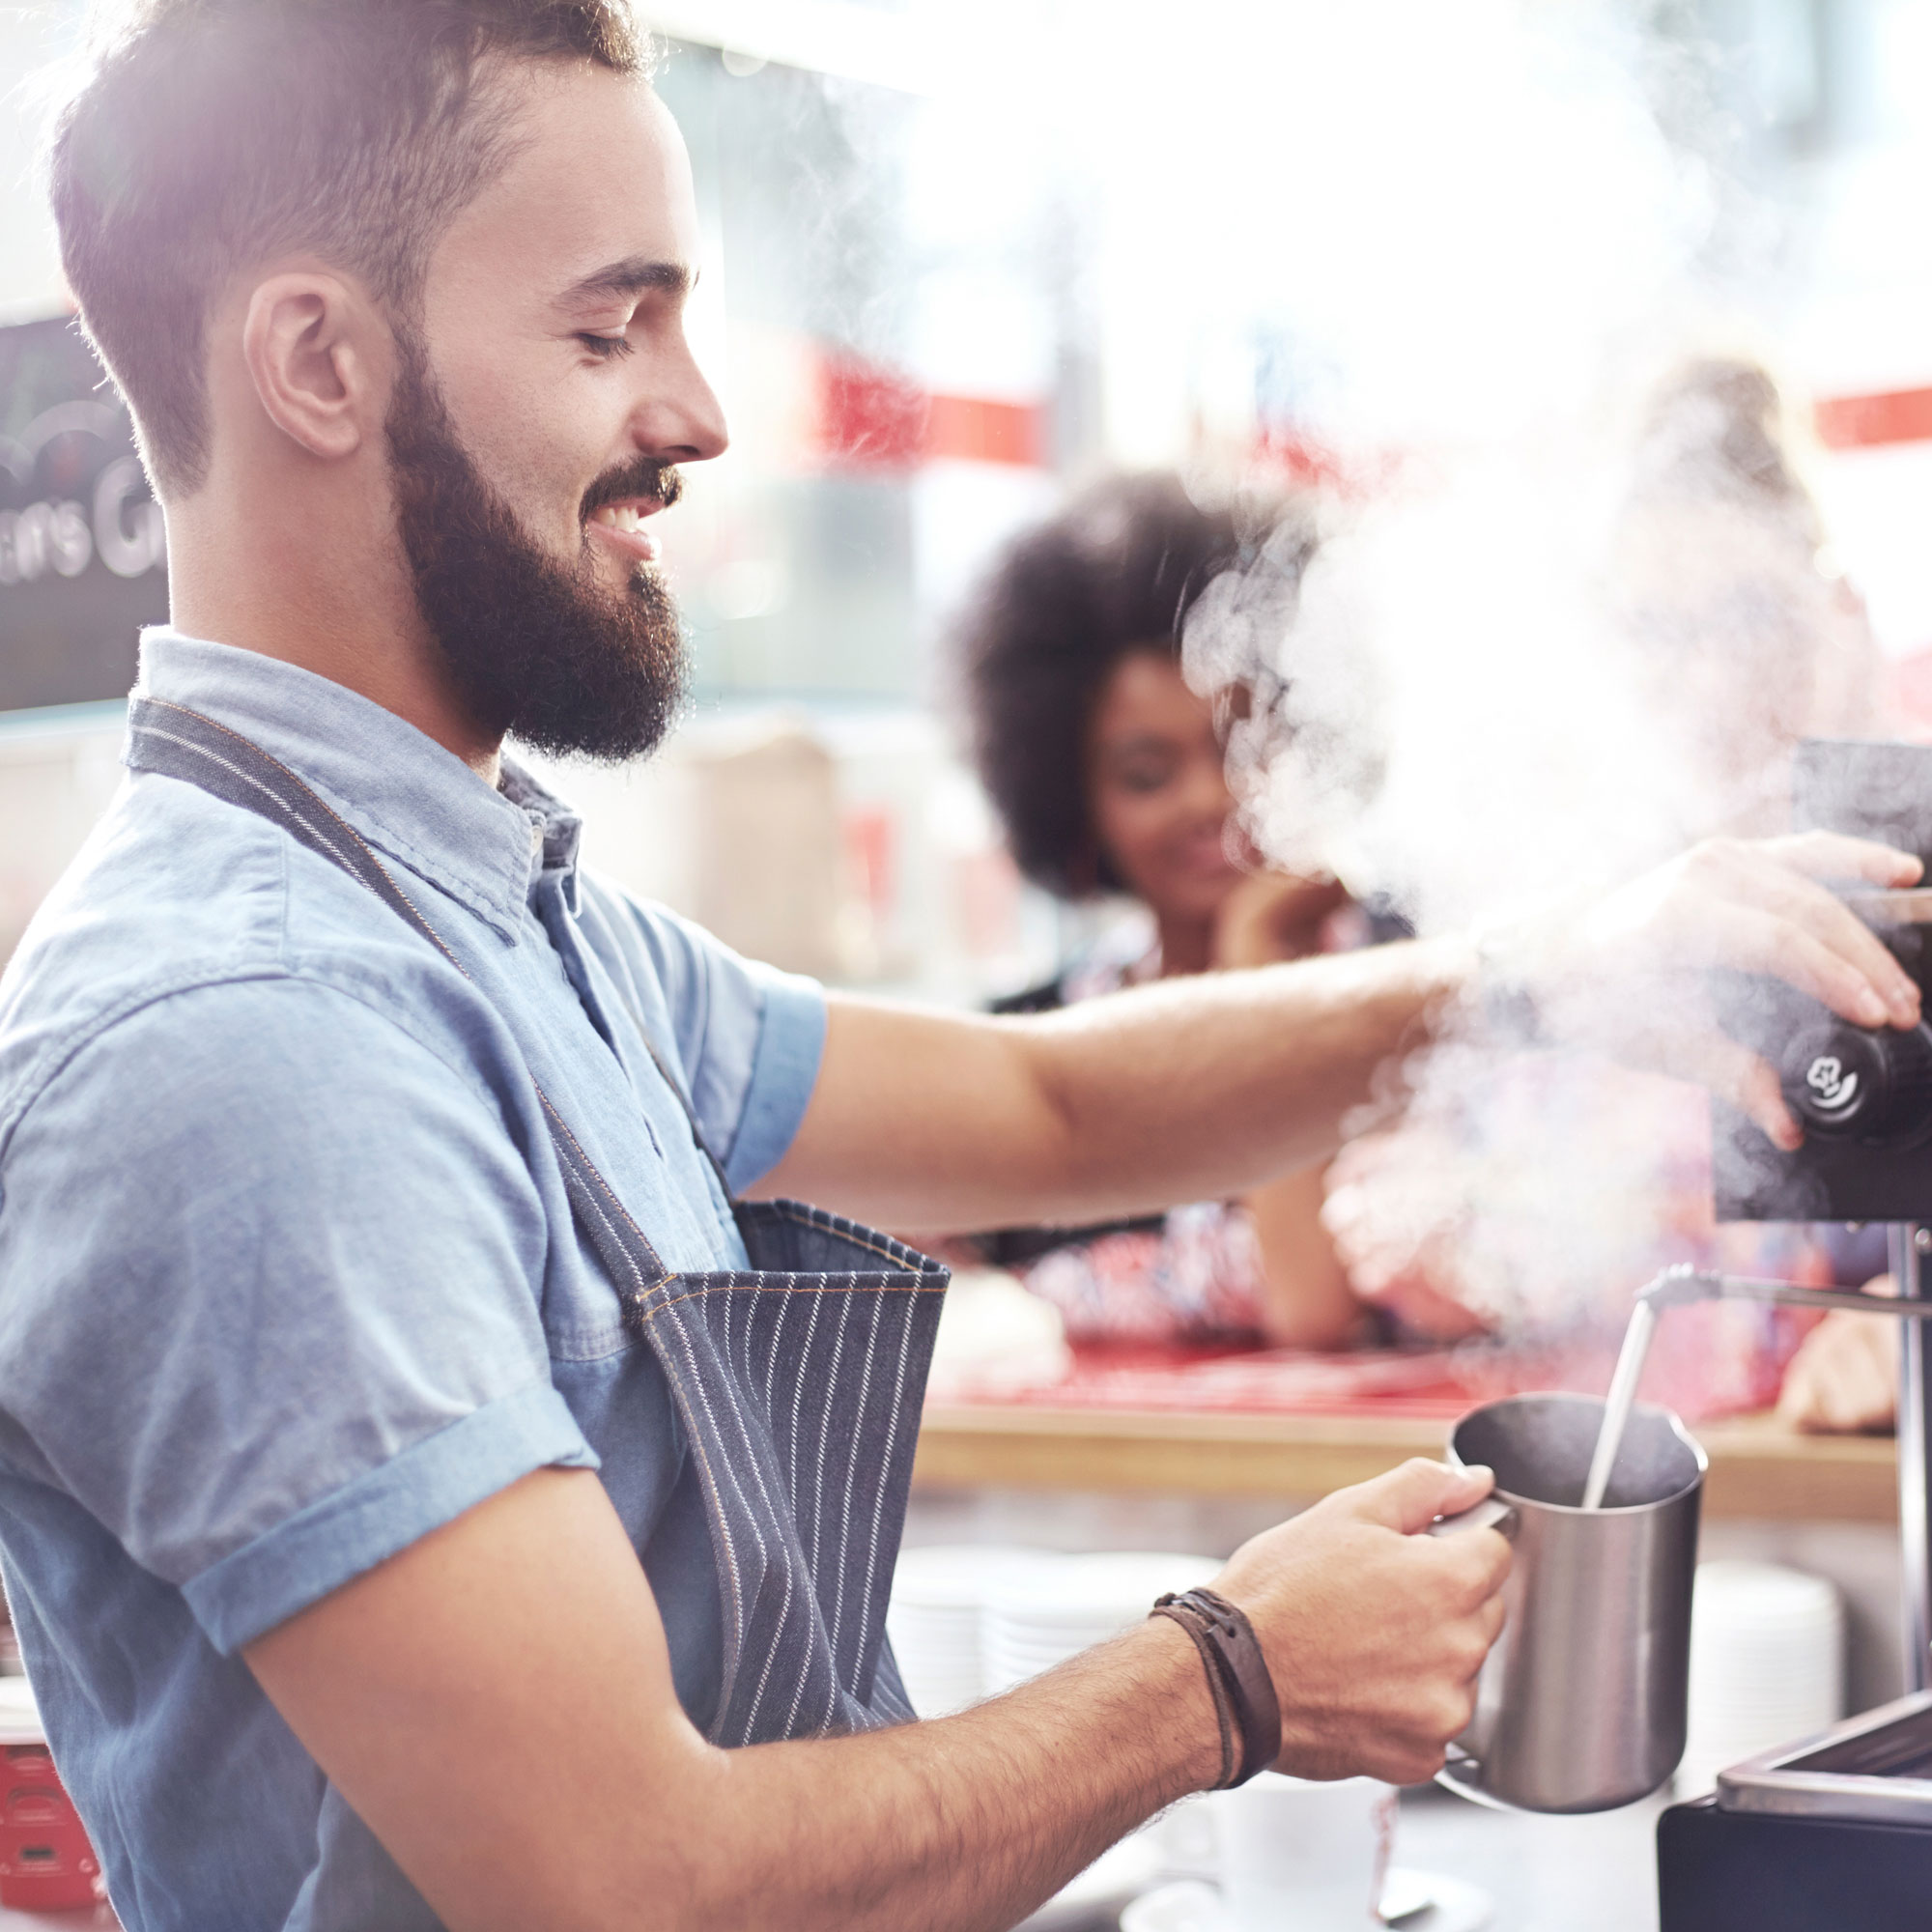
pixel 1194 1907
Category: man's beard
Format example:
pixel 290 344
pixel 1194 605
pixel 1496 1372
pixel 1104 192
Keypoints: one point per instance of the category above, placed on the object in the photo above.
pixel 535 647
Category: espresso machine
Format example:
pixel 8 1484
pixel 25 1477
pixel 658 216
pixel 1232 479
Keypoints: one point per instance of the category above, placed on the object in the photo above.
pixel 1834 1834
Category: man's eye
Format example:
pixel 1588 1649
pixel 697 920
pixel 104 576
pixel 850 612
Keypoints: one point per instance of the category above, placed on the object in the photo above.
pixel 606 346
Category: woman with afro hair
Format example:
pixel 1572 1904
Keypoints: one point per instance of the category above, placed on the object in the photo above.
pixel 1108 772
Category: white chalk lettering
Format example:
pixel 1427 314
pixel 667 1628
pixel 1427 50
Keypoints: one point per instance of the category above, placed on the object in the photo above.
pixel 131 536
pixel 125 531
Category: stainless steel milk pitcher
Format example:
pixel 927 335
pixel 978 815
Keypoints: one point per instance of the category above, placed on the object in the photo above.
pixel 1580 1706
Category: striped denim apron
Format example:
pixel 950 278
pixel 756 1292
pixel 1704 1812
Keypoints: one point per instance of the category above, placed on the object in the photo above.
pixel 797 1381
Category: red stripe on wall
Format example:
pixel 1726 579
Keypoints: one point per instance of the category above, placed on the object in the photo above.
pixel 869 417
pixel 1865 422
pixel 976 429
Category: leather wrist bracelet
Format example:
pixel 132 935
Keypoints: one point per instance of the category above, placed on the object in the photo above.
pixel 1238 1679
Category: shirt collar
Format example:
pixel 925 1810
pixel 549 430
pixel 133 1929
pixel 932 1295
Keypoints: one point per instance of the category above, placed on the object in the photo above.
pixel 403 791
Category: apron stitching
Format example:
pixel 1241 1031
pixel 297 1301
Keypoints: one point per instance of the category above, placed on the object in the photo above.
pixel 784 1608
pixel 813 1217
pixel 818 1461
pixel 610 1193
pixel 785 1569
pixel 644 1286
pixel 826 1285
pixel 772 1510
pixel 797 1403
pixel 797 1388
pixel 818 1505
pixel 750 1374
pixel 723 1526
pixel 771 1658
pixel 892 1454
pixel 851 1483
pixel 772 1364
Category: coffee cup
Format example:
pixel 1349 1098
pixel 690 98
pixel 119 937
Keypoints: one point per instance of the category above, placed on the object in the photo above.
pixel 1309 1855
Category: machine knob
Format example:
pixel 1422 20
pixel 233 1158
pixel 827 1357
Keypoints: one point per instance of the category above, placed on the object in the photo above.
pixel 1847 1084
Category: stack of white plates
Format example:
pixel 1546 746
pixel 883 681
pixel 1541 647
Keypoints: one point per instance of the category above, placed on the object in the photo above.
pixel 935 1619
pixel 1767 1664
pixel 1041 1616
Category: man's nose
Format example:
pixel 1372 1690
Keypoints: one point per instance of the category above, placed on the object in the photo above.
pixel 678 417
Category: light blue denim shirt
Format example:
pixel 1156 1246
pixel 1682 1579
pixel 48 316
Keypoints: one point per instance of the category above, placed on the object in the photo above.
pixel 286 1273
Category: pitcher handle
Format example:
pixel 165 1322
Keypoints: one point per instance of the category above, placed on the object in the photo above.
pixel 1491 1513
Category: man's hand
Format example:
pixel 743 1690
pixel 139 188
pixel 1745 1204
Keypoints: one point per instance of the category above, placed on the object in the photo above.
pixel 1629 972
pixel 1372 1632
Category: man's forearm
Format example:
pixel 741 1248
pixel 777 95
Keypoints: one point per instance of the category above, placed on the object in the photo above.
pixel 1194 1088
pixel 1213 1085
pixel 966 1823
pixel 527 1627
pixel 1205 1087
pixel 963 1824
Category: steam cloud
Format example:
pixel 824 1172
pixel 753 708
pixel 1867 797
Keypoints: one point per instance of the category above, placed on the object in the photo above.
pixel 1561 630
pixel 1456 248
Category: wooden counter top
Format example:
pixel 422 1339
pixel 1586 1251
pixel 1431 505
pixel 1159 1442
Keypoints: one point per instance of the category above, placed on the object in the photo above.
pixel 1758 1469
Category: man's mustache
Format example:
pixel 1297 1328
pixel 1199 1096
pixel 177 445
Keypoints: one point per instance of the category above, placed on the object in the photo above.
pixel 631 480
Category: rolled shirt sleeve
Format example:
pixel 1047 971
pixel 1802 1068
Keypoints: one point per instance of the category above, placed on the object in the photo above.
pixel 278 1321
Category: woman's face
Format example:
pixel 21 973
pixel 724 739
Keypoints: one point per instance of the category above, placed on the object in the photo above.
pixel 1157 789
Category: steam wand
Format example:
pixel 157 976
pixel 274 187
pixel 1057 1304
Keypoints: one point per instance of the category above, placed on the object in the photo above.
pixel 1678 1287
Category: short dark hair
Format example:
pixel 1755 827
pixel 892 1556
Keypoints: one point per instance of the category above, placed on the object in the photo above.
pixel 1115 572
pixel 209 134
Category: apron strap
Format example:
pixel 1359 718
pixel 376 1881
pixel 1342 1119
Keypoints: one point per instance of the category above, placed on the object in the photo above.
pixel 181 743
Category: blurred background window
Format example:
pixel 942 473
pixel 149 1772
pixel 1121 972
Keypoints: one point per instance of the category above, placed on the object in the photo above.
pixel 961 260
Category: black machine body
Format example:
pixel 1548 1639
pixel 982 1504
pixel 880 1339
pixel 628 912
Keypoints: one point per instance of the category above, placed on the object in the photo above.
pixel 1863 1097
pixel 1833 1833
pixel 1738 1871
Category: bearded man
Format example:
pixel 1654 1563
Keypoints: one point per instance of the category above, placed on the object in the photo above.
pixel 446 1478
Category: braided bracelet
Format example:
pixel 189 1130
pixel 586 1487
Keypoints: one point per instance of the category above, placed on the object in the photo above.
pixel 1245 1705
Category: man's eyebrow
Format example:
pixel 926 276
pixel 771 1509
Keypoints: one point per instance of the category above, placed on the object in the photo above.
pixel 632 276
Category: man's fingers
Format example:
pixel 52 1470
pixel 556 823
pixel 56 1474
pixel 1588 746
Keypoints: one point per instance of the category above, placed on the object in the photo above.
pixel 1847 965
pixel 1479 1560
pixel 1807 937
pixel 1491 1617
pixel 1832 855
pixel 1412 1498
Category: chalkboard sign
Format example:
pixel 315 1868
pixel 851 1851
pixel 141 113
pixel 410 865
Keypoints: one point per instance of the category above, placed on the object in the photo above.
pixel 83 563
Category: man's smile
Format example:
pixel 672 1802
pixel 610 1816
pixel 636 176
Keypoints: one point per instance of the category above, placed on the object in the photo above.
pixel 620 527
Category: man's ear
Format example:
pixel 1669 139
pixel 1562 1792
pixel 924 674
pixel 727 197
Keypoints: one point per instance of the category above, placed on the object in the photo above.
pixel 317 352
